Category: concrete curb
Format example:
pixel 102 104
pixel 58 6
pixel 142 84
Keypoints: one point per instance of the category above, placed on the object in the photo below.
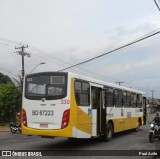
pixel 4 129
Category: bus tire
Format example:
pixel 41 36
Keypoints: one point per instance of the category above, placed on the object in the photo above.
pixel 138 126
pixel 109 132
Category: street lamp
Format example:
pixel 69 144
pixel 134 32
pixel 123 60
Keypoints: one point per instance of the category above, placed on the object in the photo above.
pixel 37 66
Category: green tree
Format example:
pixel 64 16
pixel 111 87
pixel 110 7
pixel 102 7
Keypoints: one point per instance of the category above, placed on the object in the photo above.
pixel 7 101
pixel 10 97
pixel 19 89
pixel 4 78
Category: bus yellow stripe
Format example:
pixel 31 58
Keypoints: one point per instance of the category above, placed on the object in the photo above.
pixel 78 118
pixel 122 124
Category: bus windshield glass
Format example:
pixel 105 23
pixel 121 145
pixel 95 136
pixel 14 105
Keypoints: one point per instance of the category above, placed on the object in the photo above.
pixel 45 86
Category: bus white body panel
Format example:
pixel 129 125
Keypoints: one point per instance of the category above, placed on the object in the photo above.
pixel 80 134
pixel 45 114
pixel 94 122
pixel 117 113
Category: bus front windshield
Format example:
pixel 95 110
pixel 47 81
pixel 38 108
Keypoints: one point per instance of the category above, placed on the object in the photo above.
pixel 45 86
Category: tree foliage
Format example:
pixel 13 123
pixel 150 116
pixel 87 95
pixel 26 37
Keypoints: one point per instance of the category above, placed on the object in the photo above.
pixel 10 98
pixel 19 89
pixel 7 99
pixel 4 78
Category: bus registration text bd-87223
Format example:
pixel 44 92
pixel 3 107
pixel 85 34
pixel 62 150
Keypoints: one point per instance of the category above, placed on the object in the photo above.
pixel 42 112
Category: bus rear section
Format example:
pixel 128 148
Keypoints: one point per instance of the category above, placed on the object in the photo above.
pixel 46 105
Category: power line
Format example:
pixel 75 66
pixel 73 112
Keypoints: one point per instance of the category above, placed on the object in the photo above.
pixel 8 71
pixel 57 59
pixel 11 41
pixel 54 57
pixel 6 44
pixel 91 59
pixel 157 4
pixel 48 59
pixel 82 70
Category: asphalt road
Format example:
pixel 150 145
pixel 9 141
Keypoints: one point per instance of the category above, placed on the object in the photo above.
pixel 129 140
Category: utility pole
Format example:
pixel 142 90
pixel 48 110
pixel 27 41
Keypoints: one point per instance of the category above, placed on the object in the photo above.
pixel 22 53
pixel 119 83
pixel 147 90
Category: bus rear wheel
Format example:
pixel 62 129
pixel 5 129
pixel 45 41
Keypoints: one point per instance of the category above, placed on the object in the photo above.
pixel 138 126
pixel 109 132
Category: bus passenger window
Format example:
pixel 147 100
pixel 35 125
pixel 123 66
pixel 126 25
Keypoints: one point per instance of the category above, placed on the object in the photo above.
pixel 118 98
pixel 125 99
pixel 78 87
pixel 85 88
pixel 128 103
pixel 82 93
pixel 139 100
pixel 109 96
pixel 133 100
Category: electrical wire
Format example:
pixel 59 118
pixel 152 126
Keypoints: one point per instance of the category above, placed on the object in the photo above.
pixel 10 41
pixel 157 5
pixel 82 69
pixel 8 71
pixel 6 44
pixel 109 52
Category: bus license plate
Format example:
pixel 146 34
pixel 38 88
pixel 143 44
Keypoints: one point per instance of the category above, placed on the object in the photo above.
pixel 44 125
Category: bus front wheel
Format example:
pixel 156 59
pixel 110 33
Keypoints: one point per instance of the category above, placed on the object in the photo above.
pixel 109 132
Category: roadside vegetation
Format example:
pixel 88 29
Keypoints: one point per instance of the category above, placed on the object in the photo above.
pixel 10 97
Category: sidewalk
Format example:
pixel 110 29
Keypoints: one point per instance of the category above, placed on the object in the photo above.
pixel 150 117
pixel 4 128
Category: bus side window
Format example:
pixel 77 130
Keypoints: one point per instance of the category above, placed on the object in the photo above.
pixel 82 93
pixel 139 100
pixel 109 97
pixel 125 99
pixel 118 98
pixel 133 100
pixel 128 103
pixel 77 91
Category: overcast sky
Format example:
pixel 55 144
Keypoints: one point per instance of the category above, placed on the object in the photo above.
pixel 70 31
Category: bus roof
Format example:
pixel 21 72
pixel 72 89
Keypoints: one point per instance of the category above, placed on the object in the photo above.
pixel 93 80
pixel 100 82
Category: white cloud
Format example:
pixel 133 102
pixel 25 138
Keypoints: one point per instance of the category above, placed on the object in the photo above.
pixel 73 31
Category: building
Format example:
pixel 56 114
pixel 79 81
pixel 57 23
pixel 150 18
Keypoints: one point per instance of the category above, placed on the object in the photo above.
pixel 153 105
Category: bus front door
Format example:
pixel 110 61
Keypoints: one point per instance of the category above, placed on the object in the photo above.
pixel 98 112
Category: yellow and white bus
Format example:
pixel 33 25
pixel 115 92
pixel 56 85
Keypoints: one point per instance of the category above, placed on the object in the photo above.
pixel 63 104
